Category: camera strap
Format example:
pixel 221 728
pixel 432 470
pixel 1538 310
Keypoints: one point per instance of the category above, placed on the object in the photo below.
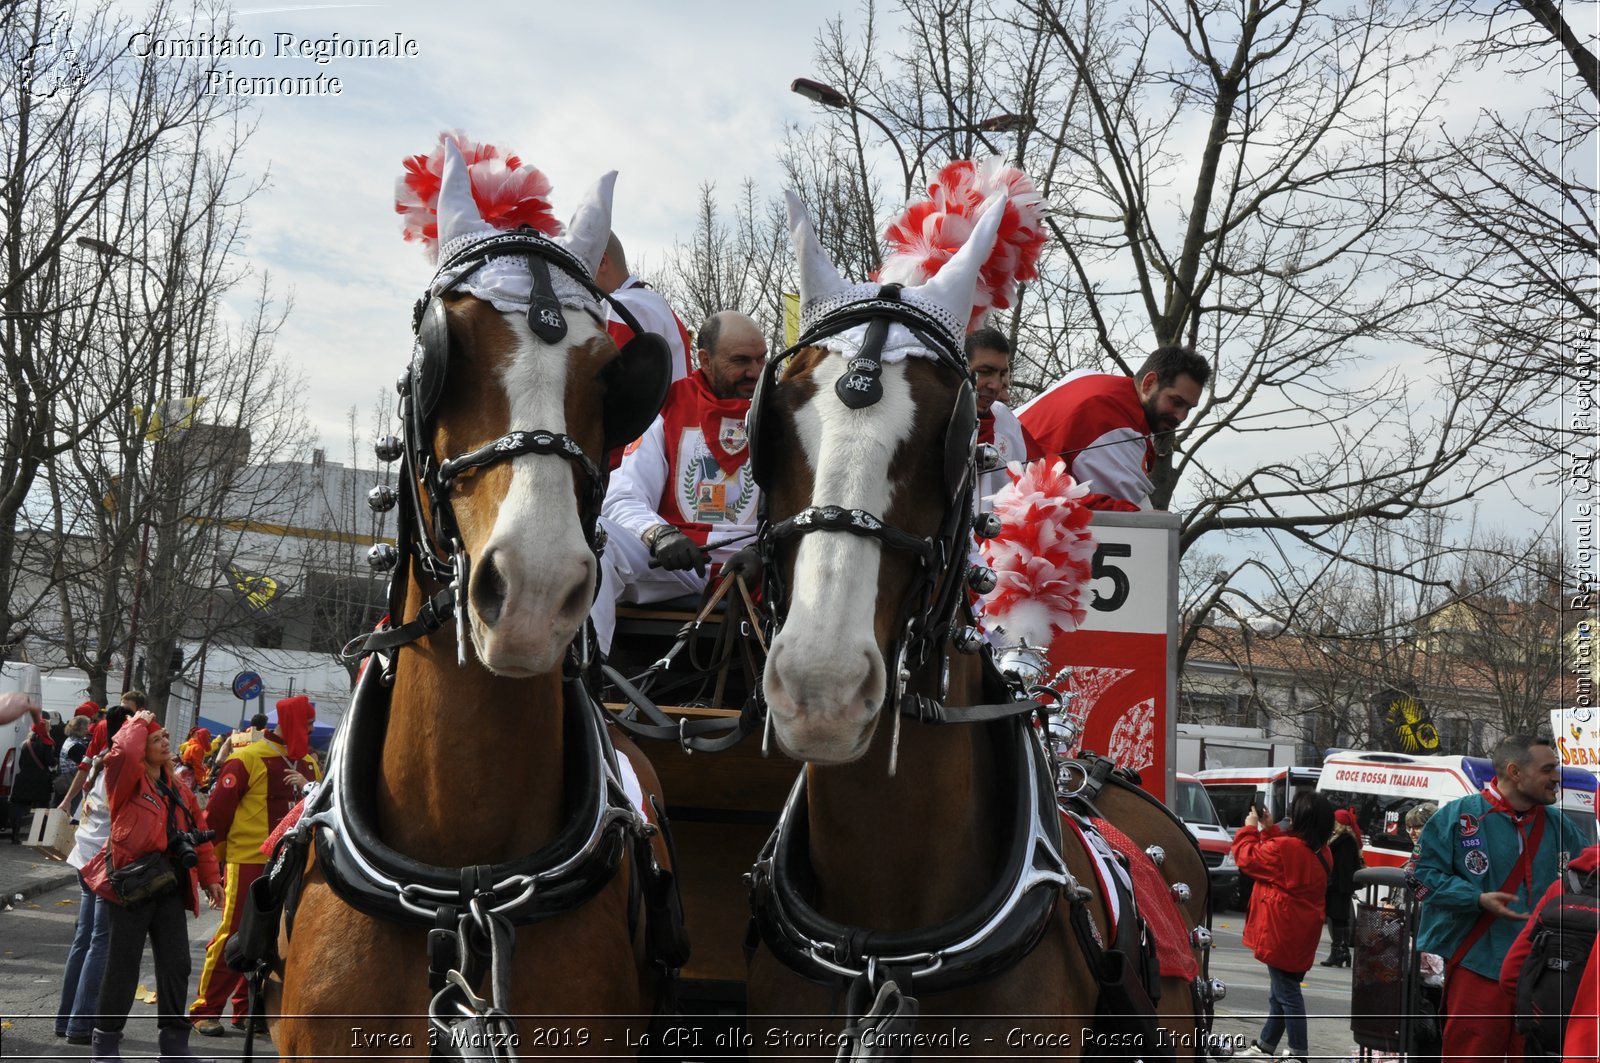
pixel 174 801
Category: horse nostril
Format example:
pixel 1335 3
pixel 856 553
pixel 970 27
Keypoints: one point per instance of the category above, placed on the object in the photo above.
pixel 580 597
pixel 488 590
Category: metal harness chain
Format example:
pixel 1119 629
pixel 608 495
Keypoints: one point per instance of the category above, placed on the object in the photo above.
pixel 461 1024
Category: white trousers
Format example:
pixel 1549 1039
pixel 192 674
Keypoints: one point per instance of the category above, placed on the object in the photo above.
pixel 626 576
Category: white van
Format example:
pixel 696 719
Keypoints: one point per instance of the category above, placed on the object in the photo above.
pixel 1193 805
pixel 15 677
pixel 1383 787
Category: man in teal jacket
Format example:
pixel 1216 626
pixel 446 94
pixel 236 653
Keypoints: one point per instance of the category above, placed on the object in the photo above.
pixel 1483 862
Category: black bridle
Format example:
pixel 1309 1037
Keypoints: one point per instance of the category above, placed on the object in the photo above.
pixel 433 549
pixel 930 611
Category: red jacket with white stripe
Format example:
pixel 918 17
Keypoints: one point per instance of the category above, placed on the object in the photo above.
pixel 1096 422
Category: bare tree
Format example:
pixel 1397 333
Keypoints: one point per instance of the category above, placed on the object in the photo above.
pixel 1514 197
pixel 1438 639
pixel 1231 177
pixel 79 117
pixel 137 400
pixel 743 264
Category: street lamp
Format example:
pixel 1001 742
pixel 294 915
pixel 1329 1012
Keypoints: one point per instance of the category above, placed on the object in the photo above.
pixel 828 96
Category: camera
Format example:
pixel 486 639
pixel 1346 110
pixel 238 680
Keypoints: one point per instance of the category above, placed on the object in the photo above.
pixel 181 844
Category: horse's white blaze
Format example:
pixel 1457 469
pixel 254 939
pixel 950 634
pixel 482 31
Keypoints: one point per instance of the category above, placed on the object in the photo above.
pixel 824 678
pixel 537 541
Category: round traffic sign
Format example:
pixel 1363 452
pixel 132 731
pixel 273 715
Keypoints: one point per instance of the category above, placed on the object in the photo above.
pixel 247 686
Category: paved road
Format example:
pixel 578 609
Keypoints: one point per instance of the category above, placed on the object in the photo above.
pixel 34 937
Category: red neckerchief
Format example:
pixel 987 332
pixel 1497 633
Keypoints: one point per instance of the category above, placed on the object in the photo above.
pixel 1530 827
pixel 986 427
pixel 713 411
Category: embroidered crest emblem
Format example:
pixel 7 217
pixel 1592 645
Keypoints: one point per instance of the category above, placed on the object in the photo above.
pixel 732 436
pixel 1477 862
pixel 1467 826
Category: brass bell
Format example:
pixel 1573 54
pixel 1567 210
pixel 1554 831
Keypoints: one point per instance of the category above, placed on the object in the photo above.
pixel 383 557
pixel 986 525
pixel 987 456
pixel 1180 892
pixel 981 579
pixel 1157 855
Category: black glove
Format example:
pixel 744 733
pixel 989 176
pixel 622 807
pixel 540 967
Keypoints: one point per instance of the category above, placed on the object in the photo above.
pixel 746 563
pixel 675 551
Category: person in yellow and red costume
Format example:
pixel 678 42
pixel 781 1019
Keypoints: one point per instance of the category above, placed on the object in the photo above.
pixel 254 789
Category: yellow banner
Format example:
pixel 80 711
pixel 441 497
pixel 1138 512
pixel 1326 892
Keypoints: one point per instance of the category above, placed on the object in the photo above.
pixel 791 319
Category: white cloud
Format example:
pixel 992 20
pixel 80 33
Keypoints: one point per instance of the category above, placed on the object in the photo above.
pixel 669 94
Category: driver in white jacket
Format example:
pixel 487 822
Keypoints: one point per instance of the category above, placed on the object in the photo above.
pixel 684 496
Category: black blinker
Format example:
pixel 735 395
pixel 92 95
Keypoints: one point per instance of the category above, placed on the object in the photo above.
pixel 544 310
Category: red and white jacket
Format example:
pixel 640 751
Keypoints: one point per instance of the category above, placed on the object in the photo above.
pixel 673 475
pixel 1096 422
pixel 654 315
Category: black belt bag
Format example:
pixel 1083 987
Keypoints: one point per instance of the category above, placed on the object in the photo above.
pixel 147 878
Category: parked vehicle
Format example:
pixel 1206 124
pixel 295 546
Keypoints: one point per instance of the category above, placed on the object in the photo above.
pixel 1382 787
pixel 1194 807
pixel 1234 790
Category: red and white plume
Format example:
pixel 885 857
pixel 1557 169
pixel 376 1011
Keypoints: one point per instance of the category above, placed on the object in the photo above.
pixel 508 192
pixel 1042 557
pixel 931 230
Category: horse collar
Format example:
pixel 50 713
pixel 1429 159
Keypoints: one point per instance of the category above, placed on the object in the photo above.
pixel 991 938
pixel 373 877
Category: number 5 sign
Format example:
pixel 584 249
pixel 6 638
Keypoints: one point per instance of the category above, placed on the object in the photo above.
pixel 1124 657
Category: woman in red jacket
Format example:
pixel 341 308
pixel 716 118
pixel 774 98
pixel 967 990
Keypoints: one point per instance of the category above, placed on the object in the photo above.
pixel 1291 871
pixel 151 812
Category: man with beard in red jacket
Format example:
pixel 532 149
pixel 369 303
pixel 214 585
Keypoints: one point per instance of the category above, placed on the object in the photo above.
pixel 1110 428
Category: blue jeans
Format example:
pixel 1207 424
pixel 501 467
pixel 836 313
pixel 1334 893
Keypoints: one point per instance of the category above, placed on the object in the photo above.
pixel 86 964
pixel 1286 1009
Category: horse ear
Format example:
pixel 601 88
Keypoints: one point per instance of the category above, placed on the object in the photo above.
pixel 590 228
pixel 458 211
pixel 818 276
pixel 954 287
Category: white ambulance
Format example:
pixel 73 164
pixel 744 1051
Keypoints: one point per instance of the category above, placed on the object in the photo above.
pixel 1383 787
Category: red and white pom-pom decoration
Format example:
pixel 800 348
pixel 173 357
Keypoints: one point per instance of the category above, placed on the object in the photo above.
pixel 1042 557
pixel 923 238
pixel 509 194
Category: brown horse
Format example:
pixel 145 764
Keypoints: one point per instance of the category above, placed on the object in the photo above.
pixel 474 789
pixel 917 855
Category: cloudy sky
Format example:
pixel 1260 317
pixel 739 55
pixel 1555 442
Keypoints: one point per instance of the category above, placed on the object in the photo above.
pixel 670 94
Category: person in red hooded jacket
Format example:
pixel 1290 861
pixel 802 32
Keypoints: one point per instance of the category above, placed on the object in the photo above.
pixel 148 807
pixel 1291 871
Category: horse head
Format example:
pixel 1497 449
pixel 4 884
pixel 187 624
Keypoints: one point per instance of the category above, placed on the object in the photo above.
pixel 866 439
pixel 515 395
